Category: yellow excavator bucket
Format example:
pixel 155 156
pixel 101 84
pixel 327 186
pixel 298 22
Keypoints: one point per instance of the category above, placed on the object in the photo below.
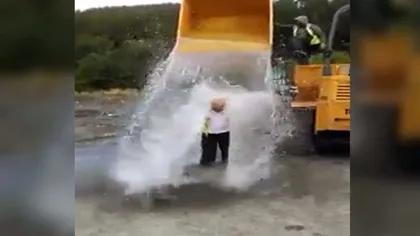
pixel 224 25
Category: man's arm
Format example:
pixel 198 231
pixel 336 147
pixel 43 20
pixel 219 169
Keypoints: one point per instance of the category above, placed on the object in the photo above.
pixel 206 125
pixel 320 33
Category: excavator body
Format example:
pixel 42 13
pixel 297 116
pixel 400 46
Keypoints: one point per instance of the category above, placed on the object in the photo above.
pixel 324 90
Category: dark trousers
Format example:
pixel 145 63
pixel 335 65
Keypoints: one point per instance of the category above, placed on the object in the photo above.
pixel 209 145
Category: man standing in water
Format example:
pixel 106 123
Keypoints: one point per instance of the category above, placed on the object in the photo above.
pixel 215 132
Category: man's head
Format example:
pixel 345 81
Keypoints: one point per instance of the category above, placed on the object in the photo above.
pixel 218 104
pixel 302 21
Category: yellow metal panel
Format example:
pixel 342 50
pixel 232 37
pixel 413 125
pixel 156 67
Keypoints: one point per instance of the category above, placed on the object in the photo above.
pixel 332 116
pixel 322 116
pixel 225 25
pixel 386 59
pixel 333 106
pixel 306 79
pixel 409 122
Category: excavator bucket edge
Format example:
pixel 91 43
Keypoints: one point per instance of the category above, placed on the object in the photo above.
pixel 225 25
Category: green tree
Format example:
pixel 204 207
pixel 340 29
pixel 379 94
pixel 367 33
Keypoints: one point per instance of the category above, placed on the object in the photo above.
pixel 124 67
pixel 86 44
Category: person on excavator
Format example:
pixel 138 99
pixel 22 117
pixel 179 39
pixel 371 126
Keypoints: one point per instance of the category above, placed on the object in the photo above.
pixel 307 37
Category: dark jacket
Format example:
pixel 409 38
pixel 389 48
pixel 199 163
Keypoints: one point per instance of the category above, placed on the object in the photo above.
pixel 301 31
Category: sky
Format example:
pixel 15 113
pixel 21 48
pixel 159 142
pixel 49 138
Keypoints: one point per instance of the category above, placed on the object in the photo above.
pixel 86 4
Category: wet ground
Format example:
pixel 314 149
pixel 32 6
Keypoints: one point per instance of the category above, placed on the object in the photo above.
pixel 309 194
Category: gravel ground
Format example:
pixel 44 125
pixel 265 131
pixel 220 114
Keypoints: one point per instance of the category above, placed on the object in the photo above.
pixel 96 113
pixel 310 195
pixel 314 200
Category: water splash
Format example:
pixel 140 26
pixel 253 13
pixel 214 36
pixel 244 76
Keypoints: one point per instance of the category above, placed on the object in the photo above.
pixel 164 136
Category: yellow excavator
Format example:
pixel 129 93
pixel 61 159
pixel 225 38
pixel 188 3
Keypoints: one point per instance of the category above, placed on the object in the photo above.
pixel 324 89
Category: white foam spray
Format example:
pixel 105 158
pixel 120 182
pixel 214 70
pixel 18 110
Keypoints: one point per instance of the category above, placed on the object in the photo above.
pixel 165 133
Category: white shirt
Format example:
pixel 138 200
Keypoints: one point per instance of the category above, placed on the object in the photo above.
pixel 219 122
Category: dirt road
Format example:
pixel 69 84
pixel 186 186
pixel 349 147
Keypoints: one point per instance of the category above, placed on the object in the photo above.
pixel 309 196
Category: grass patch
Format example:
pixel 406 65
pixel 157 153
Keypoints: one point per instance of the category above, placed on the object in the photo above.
pixel 108 93
pixel 337 57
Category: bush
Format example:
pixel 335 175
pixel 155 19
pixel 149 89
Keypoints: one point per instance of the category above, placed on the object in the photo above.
pixel 124 67
pixel 87 44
